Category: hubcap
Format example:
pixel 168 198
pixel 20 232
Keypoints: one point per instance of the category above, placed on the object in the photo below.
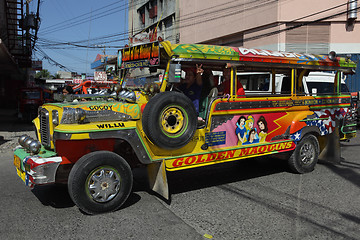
pixel 172 120
pixel 103 184
pixel 307 153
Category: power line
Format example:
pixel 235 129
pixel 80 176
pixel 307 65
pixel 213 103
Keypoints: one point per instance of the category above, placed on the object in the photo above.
pixel 50 60
pixel 80 16
pixel 77 43
pixel 82 21
pixel 55 45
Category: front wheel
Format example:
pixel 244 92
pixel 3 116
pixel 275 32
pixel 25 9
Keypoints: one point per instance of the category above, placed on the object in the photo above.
pixel 306 154
pixel 100 182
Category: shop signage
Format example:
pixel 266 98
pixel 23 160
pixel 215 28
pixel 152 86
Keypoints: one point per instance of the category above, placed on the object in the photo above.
pixel 100 76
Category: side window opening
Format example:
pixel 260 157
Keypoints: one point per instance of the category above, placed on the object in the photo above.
pixel 286 85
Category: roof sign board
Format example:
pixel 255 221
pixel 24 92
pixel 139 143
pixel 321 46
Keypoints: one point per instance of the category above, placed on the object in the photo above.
pixel 145 55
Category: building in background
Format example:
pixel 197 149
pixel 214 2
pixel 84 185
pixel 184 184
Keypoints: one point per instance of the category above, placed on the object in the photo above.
pixel 304 26
pixel 16 26
pixel 104 65
pixel 151 19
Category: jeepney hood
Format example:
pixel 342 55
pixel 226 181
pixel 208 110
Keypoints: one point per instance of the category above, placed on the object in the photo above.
pixel 94 111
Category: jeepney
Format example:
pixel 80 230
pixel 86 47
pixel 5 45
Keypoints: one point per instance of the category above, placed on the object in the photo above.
pixel 92 146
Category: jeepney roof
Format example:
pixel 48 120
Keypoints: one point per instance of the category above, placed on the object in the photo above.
pixel 256 57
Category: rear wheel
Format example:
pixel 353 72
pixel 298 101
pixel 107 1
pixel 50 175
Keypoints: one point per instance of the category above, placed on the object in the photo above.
pixel 306 154
pixel 100 182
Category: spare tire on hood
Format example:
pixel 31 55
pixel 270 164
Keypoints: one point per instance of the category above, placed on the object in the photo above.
pixel 169 120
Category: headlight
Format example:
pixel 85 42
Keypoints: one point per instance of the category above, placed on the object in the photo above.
pixel 73 115
pixel 22 140
pixel 154 88
pixel 55 117
pixel 35 146
pixel 27 142
pixel 79 115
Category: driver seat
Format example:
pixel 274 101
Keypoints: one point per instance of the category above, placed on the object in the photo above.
pixel 210 97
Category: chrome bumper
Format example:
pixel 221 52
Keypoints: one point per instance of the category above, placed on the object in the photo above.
pixel 36 169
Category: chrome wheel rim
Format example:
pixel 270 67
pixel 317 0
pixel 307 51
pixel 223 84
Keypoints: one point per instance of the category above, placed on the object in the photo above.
pixel 307 153
pixel 103 184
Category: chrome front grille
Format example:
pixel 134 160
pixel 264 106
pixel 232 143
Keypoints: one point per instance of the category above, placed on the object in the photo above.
pixel 45 128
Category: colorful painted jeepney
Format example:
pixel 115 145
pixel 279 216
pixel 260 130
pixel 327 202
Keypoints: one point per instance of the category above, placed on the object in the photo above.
pixel 92 146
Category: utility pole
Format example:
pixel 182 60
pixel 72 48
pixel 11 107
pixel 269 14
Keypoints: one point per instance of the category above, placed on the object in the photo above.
pixel 104 54
pixel 27 43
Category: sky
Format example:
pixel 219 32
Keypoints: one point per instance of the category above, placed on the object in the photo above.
pixel 73 32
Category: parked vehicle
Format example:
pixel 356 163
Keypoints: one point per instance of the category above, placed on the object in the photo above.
pixel 93 146
pixel 30 99
pixel 94 87
pixel 356 98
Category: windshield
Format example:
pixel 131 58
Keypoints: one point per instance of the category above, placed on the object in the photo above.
pixel 138 77
pixel 326 87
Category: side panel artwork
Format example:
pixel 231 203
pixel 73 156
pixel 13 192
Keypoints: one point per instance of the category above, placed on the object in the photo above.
pixel 236 136
pixel 248 129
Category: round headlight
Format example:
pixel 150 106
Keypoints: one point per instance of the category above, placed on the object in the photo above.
pixel 35 146
pixel 79 115
pixel 55 117
pixel 22 140
pixel 27 142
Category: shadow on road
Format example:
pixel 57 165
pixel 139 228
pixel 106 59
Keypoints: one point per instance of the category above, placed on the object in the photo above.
pixel 225 173
pixel 57 195
pixel 2 140
pixel 345 169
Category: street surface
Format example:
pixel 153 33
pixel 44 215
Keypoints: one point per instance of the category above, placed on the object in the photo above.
pixel 248 199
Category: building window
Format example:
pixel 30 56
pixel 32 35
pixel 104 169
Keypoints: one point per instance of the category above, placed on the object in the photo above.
pixel 141 12
pixel 153 9
pixel 312 38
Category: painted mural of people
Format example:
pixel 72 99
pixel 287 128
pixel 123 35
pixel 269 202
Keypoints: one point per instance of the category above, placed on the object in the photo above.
pixel 249 124
pixel 240 130
pixel 261 122
pixel 252 137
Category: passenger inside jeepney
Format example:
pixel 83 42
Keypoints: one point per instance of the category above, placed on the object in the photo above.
pixel 67 90
pixel 224 87
pixel 191 85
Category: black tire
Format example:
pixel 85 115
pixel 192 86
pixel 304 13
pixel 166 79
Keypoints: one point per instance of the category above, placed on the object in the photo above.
pixel 305 155
pixel 169 120
pixel 100 182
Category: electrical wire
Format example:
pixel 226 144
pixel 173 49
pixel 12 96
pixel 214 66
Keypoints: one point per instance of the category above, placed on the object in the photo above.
pixel 50 44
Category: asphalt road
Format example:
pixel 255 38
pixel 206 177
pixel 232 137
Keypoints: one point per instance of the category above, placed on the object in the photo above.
pixel 248 199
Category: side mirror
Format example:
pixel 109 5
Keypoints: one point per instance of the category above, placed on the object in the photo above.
pixel 314 91
pixel 174 72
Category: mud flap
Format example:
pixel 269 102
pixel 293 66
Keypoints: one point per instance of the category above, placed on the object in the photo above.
pixel 332 151
pixel 157 179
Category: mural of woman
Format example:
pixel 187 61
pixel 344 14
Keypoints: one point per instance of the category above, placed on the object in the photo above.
pixel 263 128
pixel 252 137
pixel 250 125
pixel 241 129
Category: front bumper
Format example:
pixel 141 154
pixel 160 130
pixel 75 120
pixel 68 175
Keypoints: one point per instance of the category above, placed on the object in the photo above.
pixel 36 169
